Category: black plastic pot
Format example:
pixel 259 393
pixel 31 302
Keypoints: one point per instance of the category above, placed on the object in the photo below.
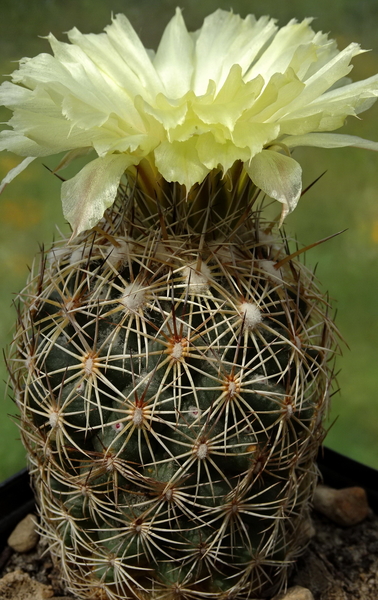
pixel 16 496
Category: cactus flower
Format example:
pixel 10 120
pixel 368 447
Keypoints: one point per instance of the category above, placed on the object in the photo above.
pixel 235 90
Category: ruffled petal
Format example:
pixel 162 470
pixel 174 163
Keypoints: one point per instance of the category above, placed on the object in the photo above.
pixel 69 72
pixel 325 77
pixel 50 134
pixel 213 154
pixel 86 196
pixel 111 60
pixel 254 135
pixel 12 95
pixel 232 100
pixel 37 101
pixel 90 94
pixel 16 142
pixel 331 109
pixel 125 41
pixel 224 40
pixel 179 161
pixel 277 95
pixel 279 176
pixel 280 53
pixel 169 114
pixel 360 94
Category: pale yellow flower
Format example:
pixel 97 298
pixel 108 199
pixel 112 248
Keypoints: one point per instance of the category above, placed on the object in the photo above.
pixel 236 89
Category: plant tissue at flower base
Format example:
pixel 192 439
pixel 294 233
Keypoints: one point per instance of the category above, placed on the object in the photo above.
pixel 172 360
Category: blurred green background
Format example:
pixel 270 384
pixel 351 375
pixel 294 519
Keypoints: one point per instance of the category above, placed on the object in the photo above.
pixel 346 197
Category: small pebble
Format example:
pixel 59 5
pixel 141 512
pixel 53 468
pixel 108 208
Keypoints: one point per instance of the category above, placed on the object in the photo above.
pixel 295 593
pixel 24 537
pixel 346 507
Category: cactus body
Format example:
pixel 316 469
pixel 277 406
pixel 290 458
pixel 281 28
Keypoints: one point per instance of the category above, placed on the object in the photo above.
pixel 172 372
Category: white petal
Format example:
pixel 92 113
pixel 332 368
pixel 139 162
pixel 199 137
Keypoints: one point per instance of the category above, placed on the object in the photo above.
pixel 13 141
pixel 233 98
pixel 350 99
pixel 89 84
pixel 74 81
pixel 51 73
pixel 128 45
pixel 277 96
pixel 212 154
pixel 306 56
pixel 170 115
pixel 36 101
pixel 279 176
pixel 329 140
pixel 174 57
pixel 254 135
pixel 83 114
pixel 300 126
pixel 15 171
pixel 12 95
pixel 52 135
pixel 179 161
pixel 111 61
pixel 335 69
pixel 279 54
pixel 325 50
pixel 86 196
pixel 224 40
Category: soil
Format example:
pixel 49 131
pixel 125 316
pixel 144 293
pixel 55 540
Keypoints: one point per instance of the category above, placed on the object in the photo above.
pixel 339 564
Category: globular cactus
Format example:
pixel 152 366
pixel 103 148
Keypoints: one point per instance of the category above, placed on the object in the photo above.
pixel 172 387
pixel 173 359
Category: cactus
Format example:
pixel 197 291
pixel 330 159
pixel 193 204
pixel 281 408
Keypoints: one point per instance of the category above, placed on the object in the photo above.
pixel 173 359
pixel 172 384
